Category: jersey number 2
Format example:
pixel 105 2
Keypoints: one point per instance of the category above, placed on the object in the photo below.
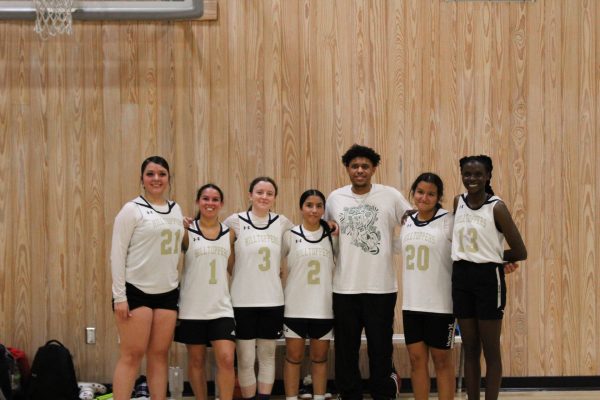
pixel 313 273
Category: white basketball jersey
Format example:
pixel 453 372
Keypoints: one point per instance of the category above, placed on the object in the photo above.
pixel 308 289
pixel 154 249
pixel 475 237
pixel 256 281
pixel 427 266
pixel 205 283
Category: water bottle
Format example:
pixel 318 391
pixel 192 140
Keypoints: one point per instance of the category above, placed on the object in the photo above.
pixel 176 383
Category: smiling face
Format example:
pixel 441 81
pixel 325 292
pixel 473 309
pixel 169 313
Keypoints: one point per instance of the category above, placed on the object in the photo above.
pixel 312 210
pixel 155 180
pixel 262 197
pixel 210 203
pixel 360 170
pixel 426 197
pixel 474 177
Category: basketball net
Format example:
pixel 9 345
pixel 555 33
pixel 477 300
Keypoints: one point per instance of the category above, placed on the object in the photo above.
pixel 53 17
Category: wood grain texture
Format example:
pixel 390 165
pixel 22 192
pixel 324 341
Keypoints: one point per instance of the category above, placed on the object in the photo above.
pixel 283 88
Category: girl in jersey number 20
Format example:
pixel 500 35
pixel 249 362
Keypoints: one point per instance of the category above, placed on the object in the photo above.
pixel 145 252
pixel 427 288
pixel 481 224
pixel 205 310
pixel 309 248
pixel 256 289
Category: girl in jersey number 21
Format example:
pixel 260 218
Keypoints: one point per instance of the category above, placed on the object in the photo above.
pixel 427 288
pixel 481 224
pixel 309 248
pixel 205 310
pixel 145 252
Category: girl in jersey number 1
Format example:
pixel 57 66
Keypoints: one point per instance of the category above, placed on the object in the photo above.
pixel 205 310
pixel 309 248
pixel 481 224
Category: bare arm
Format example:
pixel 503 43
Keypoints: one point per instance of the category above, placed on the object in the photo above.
pixel 231 260
pixel 506 225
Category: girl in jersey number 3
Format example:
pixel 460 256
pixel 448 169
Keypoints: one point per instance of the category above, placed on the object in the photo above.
pixel 256 289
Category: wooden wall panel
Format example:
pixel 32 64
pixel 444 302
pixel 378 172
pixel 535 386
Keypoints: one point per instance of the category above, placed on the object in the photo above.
pixel 283 88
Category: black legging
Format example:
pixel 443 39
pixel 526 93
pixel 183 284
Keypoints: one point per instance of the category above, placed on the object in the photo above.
pixel 476 334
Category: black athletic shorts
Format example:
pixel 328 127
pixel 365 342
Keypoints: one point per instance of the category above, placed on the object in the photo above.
pixel 136 298
pixel 204 331
pixel 258 322
pixel 478 290
pixel 308 328
pixel 435 329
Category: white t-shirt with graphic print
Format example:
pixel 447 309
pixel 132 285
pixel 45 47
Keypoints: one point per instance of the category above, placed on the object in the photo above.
pixel 365 263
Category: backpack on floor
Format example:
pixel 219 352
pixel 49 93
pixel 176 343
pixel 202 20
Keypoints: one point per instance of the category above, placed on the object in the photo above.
pixel 53 374
pixel 5 373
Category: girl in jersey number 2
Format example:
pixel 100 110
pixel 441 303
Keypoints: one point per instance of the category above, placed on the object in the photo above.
pixel 481 224
pixel 256 289
pixel 205 310
pixel 427 288
pixel 309 248
pixel 145 252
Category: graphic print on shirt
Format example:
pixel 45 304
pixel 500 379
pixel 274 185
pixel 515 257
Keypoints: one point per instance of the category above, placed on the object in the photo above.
pixel 360 224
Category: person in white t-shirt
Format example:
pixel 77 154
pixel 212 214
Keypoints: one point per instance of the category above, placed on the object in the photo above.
pixel 365 283
pixel 429 325
pixel 256 290
pixel 481 224
pixel 309 248
pixel 145 251
pixel 205 310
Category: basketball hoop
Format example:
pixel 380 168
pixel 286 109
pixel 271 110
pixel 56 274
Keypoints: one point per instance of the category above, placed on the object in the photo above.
pixel 53 17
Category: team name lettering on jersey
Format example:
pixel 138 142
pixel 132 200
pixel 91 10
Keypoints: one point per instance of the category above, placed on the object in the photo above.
pixel 313 252
pixel 420 236
pixel 469 218
pixel 211 250
pixel 262 238
pixel 166 221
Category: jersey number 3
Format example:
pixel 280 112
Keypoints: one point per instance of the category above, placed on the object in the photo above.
pixel 266 264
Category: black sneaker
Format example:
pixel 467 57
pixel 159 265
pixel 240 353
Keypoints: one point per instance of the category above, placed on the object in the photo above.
pixel 396 380
pixel 141 387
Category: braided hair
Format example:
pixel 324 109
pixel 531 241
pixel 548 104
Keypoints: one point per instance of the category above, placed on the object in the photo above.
pixel 486 161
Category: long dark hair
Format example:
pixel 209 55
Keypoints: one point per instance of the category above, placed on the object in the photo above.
pixel 486 161
pixel 429 177
pixel 318 193
pixel 203 188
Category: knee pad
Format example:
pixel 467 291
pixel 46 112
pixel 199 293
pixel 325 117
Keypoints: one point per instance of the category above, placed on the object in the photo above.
pixel 265 352
pixel 246 355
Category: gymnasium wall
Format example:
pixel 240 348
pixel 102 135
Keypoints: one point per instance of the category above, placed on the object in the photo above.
pixel 282 88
